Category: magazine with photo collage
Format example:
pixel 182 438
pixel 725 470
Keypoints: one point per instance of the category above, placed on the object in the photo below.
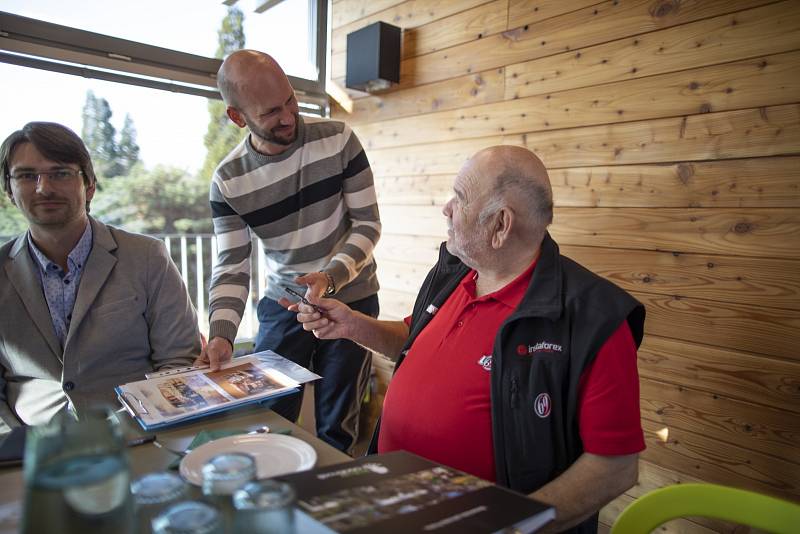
pixel 401 493
pixel 177 395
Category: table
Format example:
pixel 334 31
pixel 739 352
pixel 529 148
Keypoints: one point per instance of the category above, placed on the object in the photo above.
pixel 147 457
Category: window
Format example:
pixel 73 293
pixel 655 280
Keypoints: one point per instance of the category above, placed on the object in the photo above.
pixel 167 45
pixel 138 69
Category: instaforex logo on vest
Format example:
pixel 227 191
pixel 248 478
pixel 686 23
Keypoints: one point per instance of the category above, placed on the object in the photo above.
pixel 541 346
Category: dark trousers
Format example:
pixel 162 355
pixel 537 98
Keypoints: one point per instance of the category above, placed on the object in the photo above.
pixel 343 365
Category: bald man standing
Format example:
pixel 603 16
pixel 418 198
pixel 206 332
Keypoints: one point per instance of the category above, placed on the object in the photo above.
pixel 304 187
pixel 517 364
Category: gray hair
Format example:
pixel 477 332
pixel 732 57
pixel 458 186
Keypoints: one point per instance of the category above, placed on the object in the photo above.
pixel 537 197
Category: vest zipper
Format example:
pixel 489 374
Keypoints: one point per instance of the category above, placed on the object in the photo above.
pixel 514 392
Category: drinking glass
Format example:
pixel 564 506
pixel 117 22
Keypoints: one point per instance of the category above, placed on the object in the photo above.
pixel 223 474
pixel 264 507
pixel 153 493
pixel 77 478
pixel 189 517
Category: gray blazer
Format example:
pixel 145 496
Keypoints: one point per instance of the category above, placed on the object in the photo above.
pixel 132 314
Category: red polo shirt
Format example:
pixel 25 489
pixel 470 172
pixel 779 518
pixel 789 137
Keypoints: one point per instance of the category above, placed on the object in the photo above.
pixel 438 405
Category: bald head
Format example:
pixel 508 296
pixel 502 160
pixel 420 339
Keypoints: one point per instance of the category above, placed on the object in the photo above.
pixel 245 73
pixel 514 176
pixel 258 96
pixel 506 162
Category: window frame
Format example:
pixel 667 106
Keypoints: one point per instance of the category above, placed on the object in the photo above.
pixel 34 43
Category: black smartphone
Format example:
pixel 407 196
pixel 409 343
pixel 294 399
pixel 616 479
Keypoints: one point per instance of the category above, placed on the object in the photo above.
pixel 303 299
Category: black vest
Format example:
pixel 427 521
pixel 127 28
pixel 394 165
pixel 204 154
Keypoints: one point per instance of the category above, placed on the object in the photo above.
pixel 540 351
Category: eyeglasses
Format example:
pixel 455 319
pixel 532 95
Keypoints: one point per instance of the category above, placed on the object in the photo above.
pixel 32 177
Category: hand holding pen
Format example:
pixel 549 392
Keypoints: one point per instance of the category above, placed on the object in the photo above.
pixel 328 320
pixel 304 300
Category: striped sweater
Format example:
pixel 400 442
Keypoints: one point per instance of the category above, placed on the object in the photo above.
pixel 314 209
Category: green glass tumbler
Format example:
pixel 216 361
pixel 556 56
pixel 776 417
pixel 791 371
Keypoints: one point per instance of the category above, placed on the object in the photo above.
pixel 77 477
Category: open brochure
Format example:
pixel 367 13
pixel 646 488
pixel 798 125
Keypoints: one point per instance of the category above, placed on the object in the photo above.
pixel 178 395
pixel 400 493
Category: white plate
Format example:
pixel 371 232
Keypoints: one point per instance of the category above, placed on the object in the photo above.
pixel 275 455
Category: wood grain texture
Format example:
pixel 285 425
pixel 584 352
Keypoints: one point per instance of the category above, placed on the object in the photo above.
pixel 740 183
pixel 758 281
pixel 481 21
pixel 406 15
pixel 754 232
pixel 744 376
pixel 721 418
pixel 434 158
pixel 762 81
pixel 408 249
pixel 426 190
pixel 473 89
pixel 396 305
pixel 403 276
pixel 462 27
pixel 487 19
pixel 414 220
pixel 759 132
pixel 521 12
pixel 742 327
pixel 767 131
pixel 347 11
pixel 721 463
pixel 571 31
pixel 712 41
pixel 772 182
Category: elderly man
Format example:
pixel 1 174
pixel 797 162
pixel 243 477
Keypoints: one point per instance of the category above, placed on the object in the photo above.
pixel 84 306
pixel 517 364
pixel 304 187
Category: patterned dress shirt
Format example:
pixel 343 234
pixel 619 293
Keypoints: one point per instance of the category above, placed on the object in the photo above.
pixel 61 288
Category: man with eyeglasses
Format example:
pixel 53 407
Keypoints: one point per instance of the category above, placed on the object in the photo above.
pixel 84 306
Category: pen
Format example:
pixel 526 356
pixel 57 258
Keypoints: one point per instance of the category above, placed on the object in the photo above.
pixel 303 299
pixel 141 440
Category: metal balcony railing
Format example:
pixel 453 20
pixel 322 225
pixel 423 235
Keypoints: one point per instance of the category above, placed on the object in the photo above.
pixel 195 256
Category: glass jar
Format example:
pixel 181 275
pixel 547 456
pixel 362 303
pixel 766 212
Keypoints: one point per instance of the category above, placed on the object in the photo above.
pixel 189 517
pixel 264 506
pixel 77 477
pixel 153 493
pixel 222 476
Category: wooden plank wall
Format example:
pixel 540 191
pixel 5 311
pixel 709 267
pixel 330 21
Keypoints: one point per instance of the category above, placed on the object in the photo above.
pixel 671 129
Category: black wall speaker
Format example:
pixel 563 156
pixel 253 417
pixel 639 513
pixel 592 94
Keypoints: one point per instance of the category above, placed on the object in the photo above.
pixel 373 57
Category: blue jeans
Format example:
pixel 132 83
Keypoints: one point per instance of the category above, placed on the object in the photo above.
pixel 343 365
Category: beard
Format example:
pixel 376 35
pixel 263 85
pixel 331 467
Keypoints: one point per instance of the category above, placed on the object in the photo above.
pixel 466 250
pixel 63 211
pixel 272 136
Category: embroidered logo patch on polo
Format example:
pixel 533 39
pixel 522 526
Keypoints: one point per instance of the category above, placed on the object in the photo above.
pixel 486 362
pixel 542 405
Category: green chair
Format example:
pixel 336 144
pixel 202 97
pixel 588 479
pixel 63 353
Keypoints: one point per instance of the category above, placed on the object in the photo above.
pixel 649 511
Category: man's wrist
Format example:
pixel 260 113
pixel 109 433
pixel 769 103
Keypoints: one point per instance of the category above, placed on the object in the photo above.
pixel 224 329
pixel 226 340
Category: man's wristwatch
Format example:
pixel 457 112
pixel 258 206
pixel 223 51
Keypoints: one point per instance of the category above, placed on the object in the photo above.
pixel 331 289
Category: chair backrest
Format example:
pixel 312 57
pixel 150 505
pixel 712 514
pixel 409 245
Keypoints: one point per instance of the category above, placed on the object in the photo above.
pixel 649 511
